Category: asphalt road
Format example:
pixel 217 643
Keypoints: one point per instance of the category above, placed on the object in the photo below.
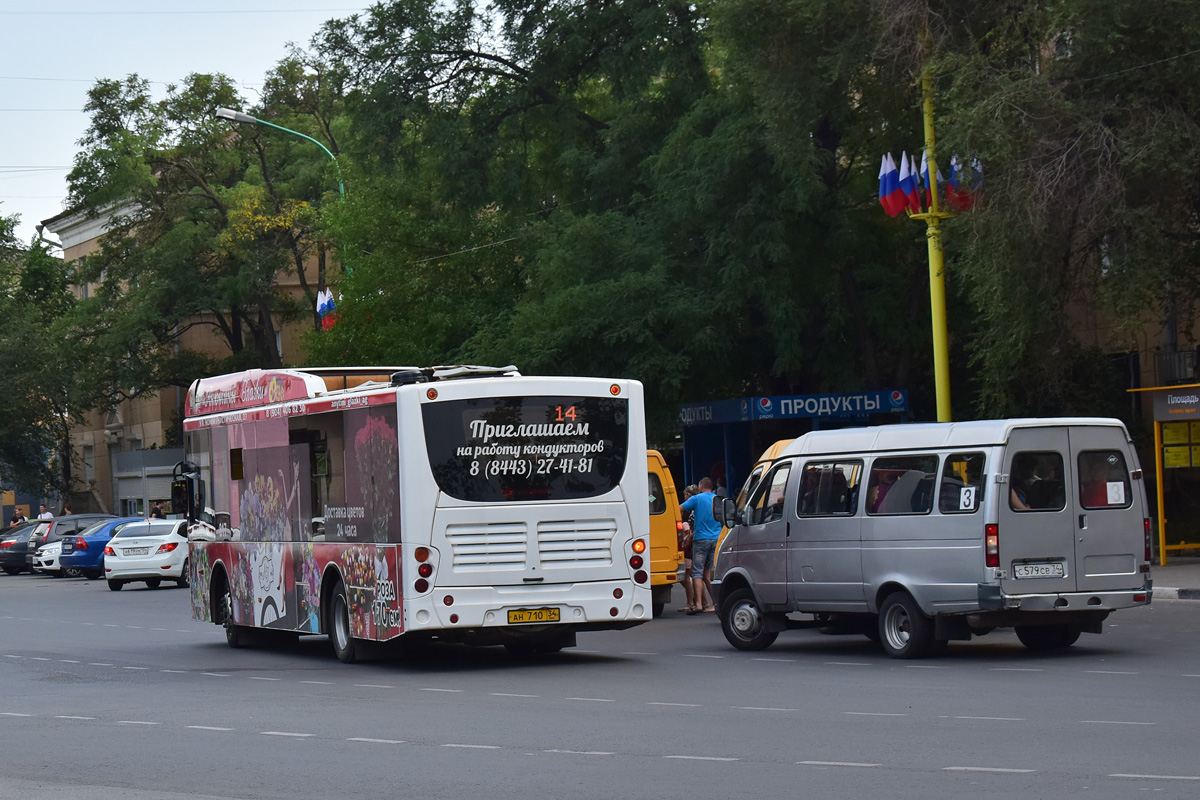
pixel 121 695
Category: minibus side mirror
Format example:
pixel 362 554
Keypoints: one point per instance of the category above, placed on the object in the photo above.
pixel 729 515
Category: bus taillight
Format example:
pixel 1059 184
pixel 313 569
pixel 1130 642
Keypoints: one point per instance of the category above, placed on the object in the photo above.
pixel 639 545
pixel 425 570
pixel 421 554
pixel 991 533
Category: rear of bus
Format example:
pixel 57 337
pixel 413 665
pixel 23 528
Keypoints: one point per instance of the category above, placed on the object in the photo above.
pixel 525 521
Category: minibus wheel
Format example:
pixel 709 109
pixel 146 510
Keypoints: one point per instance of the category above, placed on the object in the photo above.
pixel 904 631
pixel 744 623
pixel 1047 637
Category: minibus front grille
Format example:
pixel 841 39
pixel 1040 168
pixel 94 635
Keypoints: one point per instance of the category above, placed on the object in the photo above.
pixel 576 543
pixel 481 547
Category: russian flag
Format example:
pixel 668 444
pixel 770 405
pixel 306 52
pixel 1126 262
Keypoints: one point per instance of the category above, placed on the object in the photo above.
pixel 890 196
pixel 925 177
pixel 908 186
pixel 957 198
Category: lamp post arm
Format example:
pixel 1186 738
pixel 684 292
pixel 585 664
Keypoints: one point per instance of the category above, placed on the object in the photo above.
pixel 332 157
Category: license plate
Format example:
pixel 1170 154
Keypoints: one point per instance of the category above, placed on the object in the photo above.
pixel 67 548
pixel 521 616
pixel 135 551
pixel 1053 569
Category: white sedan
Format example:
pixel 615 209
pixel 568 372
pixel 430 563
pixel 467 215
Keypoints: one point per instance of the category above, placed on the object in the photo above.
pixel 46 558
pixel 149 551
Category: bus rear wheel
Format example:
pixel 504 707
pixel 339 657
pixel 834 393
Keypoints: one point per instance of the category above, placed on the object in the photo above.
pixel 1047 637
pixel 235 635
pixel 345 646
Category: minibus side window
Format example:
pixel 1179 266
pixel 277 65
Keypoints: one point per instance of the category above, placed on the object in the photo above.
pixel 829 488
pixel 1103 479
pixel 1036 482
pixel 962 484
pixel 902 485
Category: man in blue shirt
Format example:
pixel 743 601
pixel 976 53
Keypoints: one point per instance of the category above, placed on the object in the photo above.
pixel 706 532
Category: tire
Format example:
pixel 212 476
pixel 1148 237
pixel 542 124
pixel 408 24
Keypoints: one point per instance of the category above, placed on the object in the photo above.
pixel 12 570
pixel 92 574
pixel 236 636
pixel 1047 637
pixel 904 631
pixel 183 579
pixel 656 609
pixel 345 646
pixel 154 583
pixel 744 623
pixel 115 585
pixel 71 572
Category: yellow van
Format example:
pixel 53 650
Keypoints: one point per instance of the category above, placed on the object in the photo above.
pixel 665 523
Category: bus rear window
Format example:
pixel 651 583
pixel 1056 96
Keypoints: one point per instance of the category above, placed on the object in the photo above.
pixel 517 449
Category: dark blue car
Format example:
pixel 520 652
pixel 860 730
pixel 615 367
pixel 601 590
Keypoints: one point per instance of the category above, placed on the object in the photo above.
pixel 84 554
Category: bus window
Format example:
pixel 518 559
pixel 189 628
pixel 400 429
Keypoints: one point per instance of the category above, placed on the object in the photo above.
pixel 902 485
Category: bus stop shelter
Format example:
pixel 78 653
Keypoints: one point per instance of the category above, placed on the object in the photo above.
pixel 1176 465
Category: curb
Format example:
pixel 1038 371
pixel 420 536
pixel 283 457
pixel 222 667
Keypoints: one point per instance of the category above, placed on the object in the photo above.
pixel 1165 593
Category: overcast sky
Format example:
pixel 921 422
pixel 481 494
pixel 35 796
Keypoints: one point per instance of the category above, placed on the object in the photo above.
pixel 52 51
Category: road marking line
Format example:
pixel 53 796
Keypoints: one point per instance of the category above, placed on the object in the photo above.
pixel 262 678
pixel 1016 669
pixel 626 653
pixel 287 733
pixel 448 691
pixel 208 728
pixel 217 674
pixel 136 722
pixel 581 752
pixel 848 663
pixel 67 661
pixel 702 758
pixel 593 699
pixel 836 764
pixel 98 664
pixel 13 714
pixel 38 658
pixel 375 741
pixel 1156 777
pixel 509 694
pixel 135 627
pixel 760 708
pixel 320 683
pixel 111 625
pixel 925 666
pixel 6 655
pixel 475 746
pixel 69 716
pixel 700 655
pixel 997 719
pixel 175 671
pixel 987 769
pixel 159 629
pixel 677 705
pixel 135 668
pixel 383 686
pixel 1182 676
pixel 1113 722
pixel 1108 672
pixel 778 660
pixel 872 714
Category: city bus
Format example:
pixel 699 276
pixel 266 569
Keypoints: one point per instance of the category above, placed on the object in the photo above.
pixel 462 504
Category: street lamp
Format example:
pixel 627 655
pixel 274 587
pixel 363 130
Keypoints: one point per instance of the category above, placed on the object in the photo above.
pixel 237 116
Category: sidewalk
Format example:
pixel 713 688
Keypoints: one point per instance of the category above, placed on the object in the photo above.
pixel 1178 580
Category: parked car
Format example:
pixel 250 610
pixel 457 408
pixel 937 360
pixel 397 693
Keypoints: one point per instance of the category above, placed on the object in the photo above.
pixel 45 558
pixel 51 530
pixel 84 554
pixel 15 545
pixel 147 550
